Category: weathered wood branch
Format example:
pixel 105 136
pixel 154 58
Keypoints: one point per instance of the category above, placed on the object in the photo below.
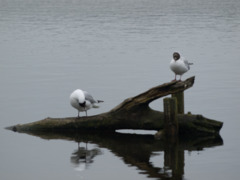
pixel 133 113
pixel 152 94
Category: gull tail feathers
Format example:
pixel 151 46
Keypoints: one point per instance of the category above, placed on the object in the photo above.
pixel 95 105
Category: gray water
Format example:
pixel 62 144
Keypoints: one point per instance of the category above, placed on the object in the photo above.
pixel 115 49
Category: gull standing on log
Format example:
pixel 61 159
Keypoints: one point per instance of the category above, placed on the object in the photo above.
pixel 83 101
pixel 179 65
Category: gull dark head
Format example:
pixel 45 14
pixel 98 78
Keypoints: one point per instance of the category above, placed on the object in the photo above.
pixel 82 104
pixel 176 56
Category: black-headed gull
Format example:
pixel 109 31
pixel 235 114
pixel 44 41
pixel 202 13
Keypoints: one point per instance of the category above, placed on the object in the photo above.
pixel 83 101
pixel 179 65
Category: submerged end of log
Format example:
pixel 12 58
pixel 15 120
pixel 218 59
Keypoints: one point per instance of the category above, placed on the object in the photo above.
pixel 200 125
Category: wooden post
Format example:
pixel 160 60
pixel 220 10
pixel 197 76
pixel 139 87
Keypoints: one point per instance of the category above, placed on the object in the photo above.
pixel 173 158
pixel 180 101
pixel 170 117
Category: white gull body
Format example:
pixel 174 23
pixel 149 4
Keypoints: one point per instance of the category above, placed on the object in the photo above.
pixel 83 101
pixel 179 65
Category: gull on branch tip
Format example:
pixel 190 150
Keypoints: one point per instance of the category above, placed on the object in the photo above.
pixel 179 65
pixel 83 101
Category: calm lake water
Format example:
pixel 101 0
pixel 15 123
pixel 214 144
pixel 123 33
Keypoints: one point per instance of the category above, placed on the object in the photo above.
pixel 116 49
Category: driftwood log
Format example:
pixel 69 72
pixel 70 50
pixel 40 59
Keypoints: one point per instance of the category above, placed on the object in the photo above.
pixel 132 113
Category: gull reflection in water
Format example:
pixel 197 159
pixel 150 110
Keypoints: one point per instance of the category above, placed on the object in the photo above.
pixel 82 157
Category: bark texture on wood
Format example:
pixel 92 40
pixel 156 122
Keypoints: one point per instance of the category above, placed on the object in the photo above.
pixel 133 113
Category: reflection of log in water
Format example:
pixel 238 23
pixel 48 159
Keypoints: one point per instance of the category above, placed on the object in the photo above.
pixel 174 158
pixel 137 150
